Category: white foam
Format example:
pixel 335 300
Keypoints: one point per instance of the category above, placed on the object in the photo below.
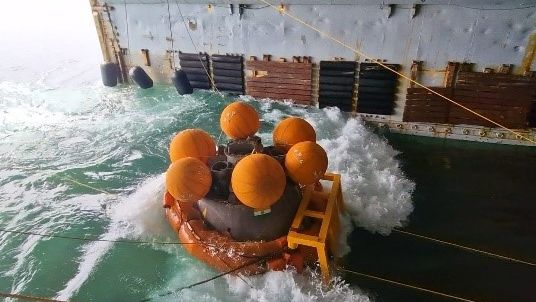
pixel 92 255
pixel 285 285
pixel 142 213
pixel 139 215
pixel 377 197
pixel 290 286
pixel 377 194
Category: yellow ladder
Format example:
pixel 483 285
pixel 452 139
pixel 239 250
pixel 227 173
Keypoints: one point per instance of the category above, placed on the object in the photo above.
pixel 329 228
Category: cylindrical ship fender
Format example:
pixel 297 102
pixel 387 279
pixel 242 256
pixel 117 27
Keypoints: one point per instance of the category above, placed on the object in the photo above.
pixel 228 73
pixel 227 59
pixel 181 83
pixel 138 75
pixel 109 74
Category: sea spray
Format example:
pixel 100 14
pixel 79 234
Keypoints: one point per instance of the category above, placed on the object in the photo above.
pixel 376 192
pixel 287 285
pixel 92 254
pixel 138 216
pixel 377 197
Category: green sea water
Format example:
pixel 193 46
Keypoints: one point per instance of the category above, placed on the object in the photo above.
pixel 61 131
pixel 88 162
pixel 115 140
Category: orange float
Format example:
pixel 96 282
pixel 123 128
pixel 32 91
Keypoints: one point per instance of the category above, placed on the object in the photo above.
pixel 192 143
pixel 188 179
pixel 239 120
pixel 258 181
pixel 306 163
pixel 291 131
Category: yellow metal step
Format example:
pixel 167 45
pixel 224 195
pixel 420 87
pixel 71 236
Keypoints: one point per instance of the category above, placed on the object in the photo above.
pixel 314 214
pixel 329 228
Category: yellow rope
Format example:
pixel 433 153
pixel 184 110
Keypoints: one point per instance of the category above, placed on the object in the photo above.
pixel 199 56
pixel 327 35
pixel 405 285
pixel 28 298
pixel 465 248
pixel 87 186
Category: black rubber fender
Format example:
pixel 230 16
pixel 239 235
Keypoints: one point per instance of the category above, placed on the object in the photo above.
pixel 198 77
pixel 228 66
pixel 387 98
pixel 376 66
pixel 228 73
pixel 346 108
pixel 337 73
pixel 227 59
pixel 236 87
pixel 140 77
pixel 375 101
pixel 340 94
pixel 383 90
pixel 377 74
pixel 335 100
pixel 194 64
pixel 337 80
pixel 109 74
pixel 181 82
pixel 378 82
pixel 338 65
pixel 224 79
pixel 334 87
pixel 200 85
pixel 192 56
pixel 191 70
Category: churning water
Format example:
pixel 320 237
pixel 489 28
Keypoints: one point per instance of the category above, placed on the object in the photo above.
pixel 61 131
pixel 116 139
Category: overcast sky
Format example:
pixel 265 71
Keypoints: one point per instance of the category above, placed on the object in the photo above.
pixel 40 34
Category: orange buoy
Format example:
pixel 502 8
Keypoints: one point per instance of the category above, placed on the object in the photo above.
pixel 188 179
pixel 306 163
pixel 192 143
pixel 239 120
pixel 291 131
pixel 258 181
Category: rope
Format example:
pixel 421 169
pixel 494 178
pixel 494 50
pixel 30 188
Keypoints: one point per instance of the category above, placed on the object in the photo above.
pixel 197 50
pixel 28 297
pixel 94 239
pixel 330 37
pixel 209 279
pixel 470 249
pixel 405 285
pixel 463 247
pixel 88 186
pixel 171 34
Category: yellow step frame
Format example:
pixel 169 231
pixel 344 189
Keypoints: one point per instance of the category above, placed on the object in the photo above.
pixel 330 226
